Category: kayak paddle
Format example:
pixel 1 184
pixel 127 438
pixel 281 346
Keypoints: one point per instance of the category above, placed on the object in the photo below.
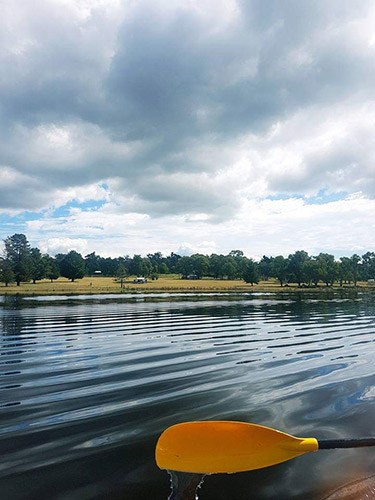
pixel 213 447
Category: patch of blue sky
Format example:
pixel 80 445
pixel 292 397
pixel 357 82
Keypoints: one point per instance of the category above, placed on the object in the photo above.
pixel 11 224
pixel 17 223
pixel 322 197
pixel 18 218
pixel 283 197
pixel 64 210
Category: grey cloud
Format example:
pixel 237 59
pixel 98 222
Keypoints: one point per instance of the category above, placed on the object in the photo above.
pixel 145 97
pixel 185 195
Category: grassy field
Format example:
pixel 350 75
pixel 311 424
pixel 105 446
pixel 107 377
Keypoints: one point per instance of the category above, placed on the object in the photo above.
pixel 101 284
pixel 165 283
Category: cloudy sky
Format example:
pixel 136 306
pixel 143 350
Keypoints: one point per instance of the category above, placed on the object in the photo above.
pixel 134 126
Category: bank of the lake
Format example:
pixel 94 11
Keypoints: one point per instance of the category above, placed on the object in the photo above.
pixel 165 283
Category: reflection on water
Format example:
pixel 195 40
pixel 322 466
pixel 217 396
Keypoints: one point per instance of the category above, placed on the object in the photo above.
pixel 87 384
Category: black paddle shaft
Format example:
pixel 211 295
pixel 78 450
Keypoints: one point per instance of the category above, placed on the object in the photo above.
pixel 329 444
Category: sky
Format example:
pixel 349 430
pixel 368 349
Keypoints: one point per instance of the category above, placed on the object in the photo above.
pixel 136 126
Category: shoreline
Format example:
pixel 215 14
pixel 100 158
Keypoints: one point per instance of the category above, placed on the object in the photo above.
pixel 166 284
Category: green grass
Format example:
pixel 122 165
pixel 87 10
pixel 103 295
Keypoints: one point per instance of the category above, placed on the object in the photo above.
pixel 165 283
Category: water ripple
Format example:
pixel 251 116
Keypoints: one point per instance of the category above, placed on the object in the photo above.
pixel 87 380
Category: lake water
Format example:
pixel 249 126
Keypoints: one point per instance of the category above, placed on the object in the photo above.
pixel 87 384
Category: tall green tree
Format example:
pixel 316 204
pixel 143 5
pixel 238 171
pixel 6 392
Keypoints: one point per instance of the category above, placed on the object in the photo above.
pixel 265 267
pixel 239 260
pixel 6 273
pixel 108 266
pixel 185 266
pixel 355 267
pixel 229 268
pixel 136 267
pixel 92 263
pixel 310 271
pixel 251 274
pixel 163 268
pixel 217 266
pixel 280 269
pixel 200 265
pixel 72 266
pixel 345 270
pixel 328 268
pixel 156 260
pixel 172 261
pixel 37 270
pixel 146 267
pixel 51 267
pixel 296 265
pixel 368 264
pixel 18 253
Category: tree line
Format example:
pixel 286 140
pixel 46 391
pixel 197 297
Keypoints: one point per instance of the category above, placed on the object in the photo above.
pixel 20 263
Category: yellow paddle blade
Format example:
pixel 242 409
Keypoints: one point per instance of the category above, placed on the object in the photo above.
pixel 213 447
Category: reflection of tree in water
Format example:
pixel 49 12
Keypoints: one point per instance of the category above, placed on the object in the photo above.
pixel 12 323
pixel 300 306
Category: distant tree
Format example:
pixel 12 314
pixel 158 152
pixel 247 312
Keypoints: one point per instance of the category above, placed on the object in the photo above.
pixel 17 252
pixel 121 273
pixel 355 267
pixel 217 266
pixel 236 254
pixel 280 269
pixel 328 268
pixel 92 263
pixel 136 267
pixel 368 263
pixel 229 268
pixel 345 270
pixel 296 265
pixel 265 267
pixel 200 265
pixel 108 266
pixel 172 261
pixel 51 267
pixel 156 260
pixel 237 258
pixel 310 271
pixel 251 274
pixel 59 257
pixel 185 266
pixel 163 268
pixel 73 266
pixel 6 273
pixel 37 270
pixel 146 267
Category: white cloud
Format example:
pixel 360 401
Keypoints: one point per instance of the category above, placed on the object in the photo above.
pixel 268 227
pixel 205 247
pixel 183 117
pixel 53 246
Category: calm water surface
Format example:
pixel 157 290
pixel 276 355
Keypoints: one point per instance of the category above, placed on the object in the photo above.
pixel 88 383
